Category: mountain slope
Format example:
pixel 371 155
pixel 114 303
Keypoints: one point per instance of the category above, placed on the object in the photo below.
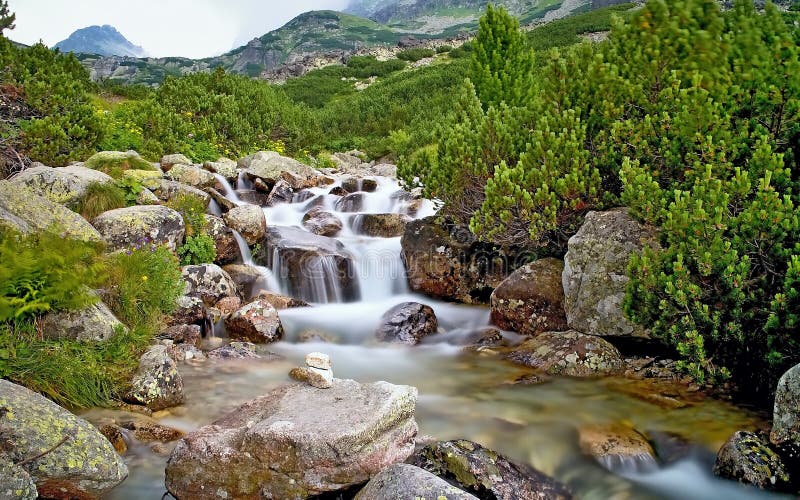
pixel 103 40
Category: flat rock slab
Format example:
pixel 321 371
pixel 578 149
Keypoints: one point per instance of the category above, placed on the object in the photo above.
pixel 275 447
pixel 407 482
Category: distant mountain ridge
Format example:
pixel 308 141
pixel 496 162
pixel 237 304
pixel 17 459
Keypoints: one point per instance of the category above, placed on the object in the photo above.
pixel 102 40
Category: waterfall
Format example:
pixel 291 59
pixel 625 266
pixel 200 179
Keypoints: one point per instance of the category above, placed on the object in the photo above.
pixel 267 280
pixel 243 182
pixel 229 192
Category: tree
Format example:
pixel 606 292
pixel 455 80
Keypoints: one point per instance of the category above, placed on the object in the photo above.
pixel 6 18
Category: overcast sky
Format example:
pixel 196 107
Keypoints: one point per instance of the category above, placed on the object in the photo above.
pixel 188 28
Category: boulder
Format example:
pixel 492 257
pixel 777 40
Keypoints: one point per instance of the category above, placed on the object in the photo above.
pixel 188 310
pixel 94 323
pixel 486 473
pixel 316 268
pixel 269 165
pixel 786 415
pixel 183 334
pixel 748 458
pixel 281 192
pixel 595 272
pixel 298 181
pixel 407 482
pixel 169 161
pixel 191 176
pixel 131 226
pixel 224 167
pixel 381 225
pixel 79 462
pixel 252 197
pixel 321 222
pixel 246 277
pixel 26 212
pixel 249 221
pixel 224 241
pixel 15 482
pixel 115 162
pixel 209 283
pixel 157 383
pixel 351 203
pixel 228 305
pixel 616 446
pixel 446 261
pixel 279 301
pixel 257 322
pixel 570 354
pixel 144 176
pixel 235 350
pixel 224 203
pixel 64 185
pixel 166 190
pixel 407 323
pixel 146 197
pixel 282 450
pixel 385 170
pixel 531 300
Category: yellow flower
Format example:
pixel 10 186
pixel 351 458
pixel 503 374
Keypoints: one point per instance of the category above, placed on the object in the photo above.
pixel 144 278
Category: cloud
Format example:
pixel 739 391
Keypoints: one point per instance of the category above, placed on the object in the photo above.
pixel 188 28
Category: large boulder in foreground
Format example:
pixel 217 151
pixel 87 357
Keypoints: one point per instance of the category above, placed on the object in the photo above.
pixel 571 353
pixel 63 185
pixel 26 212
pixel 786 416
pixel 531 300
pixel 79 463
pixel 15 482
pixel 140 225
pixel 749 459
pixel 407 323
pixel 595 272
pixel 276 447
pixel 488 474
pixel 407 482
pixel 446 261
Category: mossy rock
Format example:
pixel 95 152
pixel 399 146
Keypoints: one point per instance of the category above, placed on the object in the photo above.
pixel 748 458
pixel 142 176
pixel 114 163
pixel 64 185
pixel 15 482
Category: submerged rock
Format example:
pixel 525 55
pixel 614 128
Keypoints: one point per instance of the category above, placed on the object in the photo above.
pixel 283 450
pixel 531 300
pixel 617 447
pixel 126 227
pixel 407 482
pixel 407 323
pixel 749 459
pixel 571 353
pixel 486 473
pixel 321 222
pixel 79 462
pixel 157 383
pixel 256 322
pixel 235 350
pixel 595 272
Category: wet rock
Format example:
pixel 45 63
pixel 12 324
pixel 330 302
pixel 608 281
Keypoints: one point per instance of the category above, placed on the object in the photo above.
pixel 316 202
pixel 407 323
pixel 235 350
pixel 301 196
pixel 369 185
pixel 224 167
pixel 261 186
pixel 224 203
pixel 167 190
pixel 157 383
pixel 191 176
pixel 63 185
pixel 407 482
pixel 322 223
pixel 15 482
pixel 749 459
pixel 79 463
pixel 209 283
pixel 786 415
pixel 115 436
pixel 351 203
pixel 570 353
pixel 595 272
pixel 256 322
pixel 169 161
pixel 312 335
pixel 95 323
pixel 253 197
pixel 282 450
pixel 351 185
pixel 486 473
pixel 224 241
pixel 485 337
pixel 127 227
pixel 279 301
pixel 617 447
pixel 249 221
pixel 25 212
pixel 381 225
pixel 269 165
pixel 146 430
pixel 317 268
pixel 531 300
pixel 339 191
pixel 281 192
pixel 189 310
pixel 446 261
pixel 183 334
pixel 297 181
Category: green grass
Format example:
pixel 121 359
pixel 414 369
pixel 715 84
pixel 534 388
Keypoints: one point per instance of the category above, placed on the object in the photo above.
pixel 100 197
pixel 567 31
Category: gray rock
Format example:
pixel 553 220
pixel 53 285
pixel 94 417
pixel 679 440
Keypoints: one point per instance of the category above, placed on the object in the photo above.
pixel 182 334
pixel 26 212
pixel 95 323
pixel 595 272
pixel 407 323
pixel 169 161
pixel 256 322
pixel 188 310
pixel 321 222
pixel 63 185
pixel 283 450
pixel 281 192
pixel 531 300
pixel 167 190
pixel 786 415
pixel 224 167
pixel 749 459
pixel 486 473
pixel 157 383
pixel 269 165
pixel 191 176
pixel 249 220
pixel 140 225
pixel 381 225
pixel 80 462
pixel 224 203
pixel 351 203
pixel 235 350
pixel 209 283
pixel 15 482
pixel 571 354
pixel 407 482
pixel 224 241
pixel 385 170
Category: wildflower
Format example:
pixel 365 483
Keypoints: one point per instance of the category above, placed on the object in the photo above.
pixel 144 278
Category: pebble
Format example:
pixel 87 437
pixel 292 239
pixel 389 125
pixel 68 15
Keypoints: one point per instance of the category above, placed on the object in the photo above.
pixel 318 360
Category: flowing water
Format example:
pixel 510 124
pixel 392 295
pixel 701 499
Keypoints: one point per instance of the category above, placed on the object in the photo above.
pixel 462 394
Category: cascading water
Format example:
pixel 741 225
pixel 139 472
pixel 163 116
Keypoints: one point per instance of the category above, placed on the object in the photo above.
pixel 267 280
pixel 228 190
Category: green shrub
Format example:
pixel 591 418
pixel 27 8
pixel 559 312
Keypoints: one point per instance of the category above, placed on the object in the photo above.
pixel 198 249
pixel 131 189
pixel 414 55
pixel 443 49
pixel 192 209
pixel 114 163
pixel 100 197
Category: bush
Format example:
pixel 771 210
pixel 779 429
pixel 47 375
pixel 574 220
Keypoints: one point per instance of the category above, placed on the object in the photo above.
pixel 192 209
pixel 414 55
pixel 100 197
pixel 131 189
pixel 114 163
pixel 198 249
